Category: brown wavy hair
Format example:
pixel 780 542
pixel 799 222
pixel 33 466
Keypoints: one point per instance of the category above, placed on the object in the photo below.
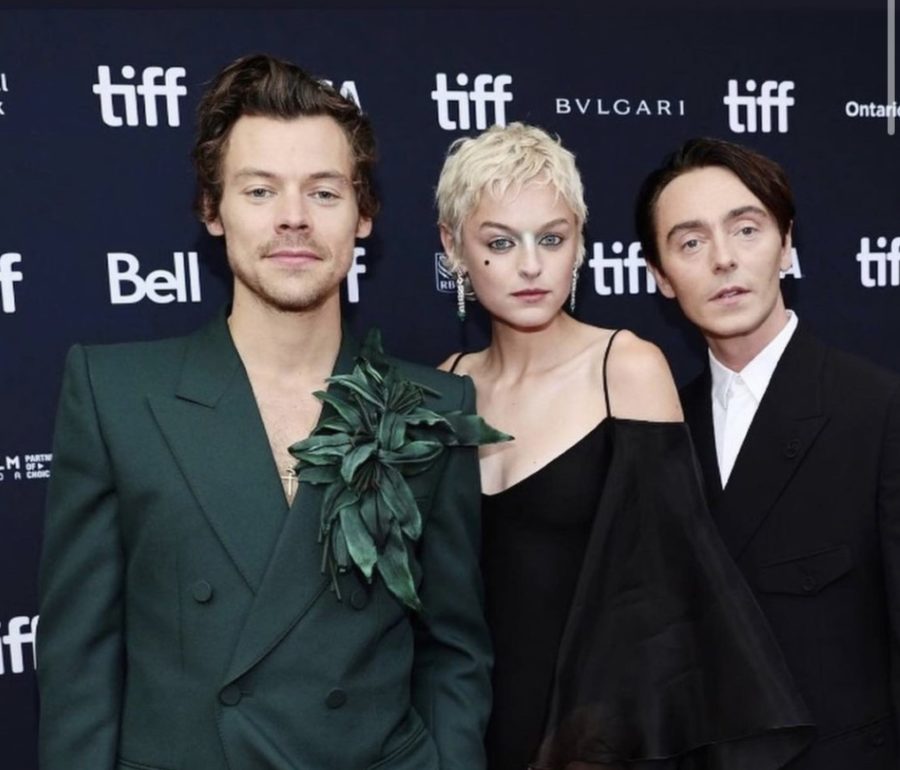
pixel 263 85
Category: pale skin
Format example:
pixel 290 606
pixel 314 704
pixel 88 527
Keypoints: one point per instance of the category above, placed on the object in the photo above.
pixel 541 377
pixel 290 220
pixel 722 255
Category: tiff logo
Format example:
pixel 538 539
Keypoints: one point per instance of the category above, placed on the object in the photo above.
pixel 743 110
pixel 150 88
pixel 356 269
pixel 19 637
pixel 873 265
pixel 8 278
pixel 486 90
pixel 618 268
pixel 4 89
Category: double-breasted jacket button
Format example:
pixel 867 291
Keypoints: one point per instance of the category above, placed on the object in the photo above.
pixel 230 695
pixel 809 583
pixel 359 598
pixel 201 591
pixel 336 698
pixel 877 738
pixel 792 448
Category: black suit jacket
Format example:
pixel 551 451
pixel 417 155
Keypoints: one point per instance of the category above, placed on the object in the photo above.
pixel 811 514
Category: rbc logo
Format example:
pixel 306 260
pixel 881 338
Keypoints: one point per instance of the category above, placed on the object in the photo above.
pixel 774 96
pixel 150 89
pixel 160 286
pixel 487 89
pixel 444 277
pixel 8 278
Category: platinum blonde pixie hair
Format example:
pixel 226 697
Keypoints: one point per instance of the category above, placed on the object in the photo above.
pixel 500 160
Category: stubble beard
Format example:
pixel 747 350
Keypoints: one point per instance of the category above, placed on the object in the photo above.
pixel 301 290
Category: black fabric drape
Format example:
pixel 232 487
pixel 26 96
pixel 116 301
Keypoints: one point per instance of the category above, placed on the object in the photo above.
pixel 666 661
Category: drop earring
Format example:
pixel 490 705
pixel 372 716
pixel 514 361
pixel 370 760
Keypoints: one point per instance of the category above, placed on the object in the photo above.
pixel 460 295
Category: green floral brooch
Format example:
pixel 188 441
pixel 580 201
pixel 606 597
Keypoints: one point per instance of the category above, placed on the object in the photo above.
pixel 379 435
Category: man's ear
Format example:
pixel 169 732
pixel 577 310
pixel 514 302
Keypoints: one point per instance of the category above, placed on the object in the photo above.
pixel 786 257
pixel 662 282
pixel 364 227
pixel 212 221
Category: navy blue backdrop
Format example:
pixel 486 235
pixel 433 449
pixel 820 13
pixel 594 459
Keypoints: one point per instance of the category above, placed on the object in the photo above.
pixel 98 242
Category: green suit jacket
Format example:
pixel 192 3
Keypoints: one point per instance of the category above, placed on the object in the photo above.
pixel 185 620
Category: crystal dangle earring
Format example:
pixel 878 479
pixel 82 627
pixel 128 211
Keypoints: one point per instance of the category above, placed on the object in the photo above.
pixel 460 295
pixel 574 287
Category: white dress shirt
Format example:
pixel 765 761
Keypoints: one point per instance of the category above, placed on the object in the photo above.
pixel 736 396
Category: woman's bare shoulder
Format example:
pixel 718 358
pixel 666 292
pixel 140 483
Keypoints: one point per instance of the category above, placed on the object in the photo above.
pixel 639 381
pixel 461 362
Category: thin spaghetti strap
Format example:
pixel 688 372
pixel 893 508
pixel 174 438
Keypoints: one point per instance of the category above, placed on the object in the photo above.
pixel 605 359
pixel 456 361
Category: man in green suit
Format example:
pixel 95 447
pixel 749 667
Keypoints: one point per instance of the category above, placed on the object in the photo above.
pixel 186 623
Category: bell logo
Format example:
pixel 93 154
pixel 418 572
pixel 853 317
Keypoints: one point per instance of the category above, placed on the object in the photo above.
pixel 8 279
pixel 487 90
pixel 127 287
pixel 743 110
pixel 150 88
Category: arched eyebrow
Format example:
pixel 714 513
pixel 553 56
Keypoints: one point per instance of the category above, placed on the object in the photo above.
pixel 260 173
pixel 506 228
pixel 743 210
pixel 699 224
pixel 691 224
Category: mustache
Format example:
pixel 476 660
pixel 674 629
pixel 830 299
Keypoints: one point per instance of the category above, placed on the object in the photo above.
pixel 291 242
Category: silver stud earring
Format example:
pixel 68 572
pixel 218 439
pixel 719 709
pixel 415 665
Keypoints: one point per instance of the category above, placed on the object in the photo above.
pixel 574 287
pixel 460 295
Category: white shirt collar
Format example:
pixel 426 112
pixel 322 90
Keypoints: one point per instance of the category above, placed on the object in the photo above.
pixel 758 372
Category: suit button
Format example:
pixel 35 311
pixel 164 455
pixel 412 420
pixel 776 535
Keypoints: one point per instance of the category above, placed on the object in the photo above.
pixel 809 583
pixel 359 599
pixel 792 448
pixel 230 695
pixel 202 591
pixel 336 698
pixel 877 739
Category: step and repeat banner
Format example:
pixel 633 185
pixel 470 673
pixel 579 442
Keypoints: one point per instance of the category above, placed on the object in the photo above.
pixel 98 242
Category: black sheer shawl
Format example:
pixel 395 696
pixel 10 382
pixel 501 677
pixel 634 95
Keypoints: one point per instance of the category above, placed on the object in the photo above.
pixel 666 660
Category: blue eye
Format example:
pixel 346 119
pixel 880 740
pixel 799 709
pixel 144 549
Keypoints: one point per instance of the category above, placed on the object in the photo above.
pixel 551 240
pixel 500 244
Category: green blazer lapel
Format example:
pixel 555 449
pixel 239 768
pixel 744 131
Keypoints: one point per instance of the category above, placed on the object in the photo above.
pixel 294 579
pixel 214 430
pixel 790 417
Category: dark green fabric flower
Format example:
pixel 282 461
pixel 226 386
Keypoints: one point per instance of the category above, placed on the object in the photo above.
pixel 380 434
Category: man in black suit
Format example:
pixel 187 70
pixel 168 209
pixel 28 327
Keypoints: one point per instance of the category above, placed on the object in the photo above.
pixel 799 444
